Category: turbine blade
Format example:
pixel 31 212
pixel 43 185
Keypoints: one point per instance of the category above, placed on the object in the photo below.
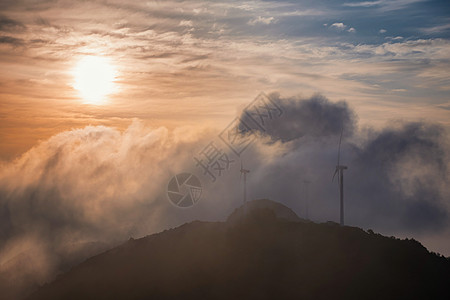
pixel 334 175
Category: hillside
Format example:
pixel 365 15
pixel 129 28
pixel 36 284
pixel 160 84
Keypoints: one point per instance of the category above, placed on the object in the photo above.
pixel 260 255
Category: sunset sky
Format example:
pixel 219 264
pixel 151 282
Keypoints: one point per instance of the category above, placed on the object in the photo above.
pixel 188 62
pixel 103 101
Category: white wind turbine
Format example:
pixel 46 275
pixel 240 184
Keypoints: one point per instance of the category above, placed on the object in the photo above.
pixel 340 169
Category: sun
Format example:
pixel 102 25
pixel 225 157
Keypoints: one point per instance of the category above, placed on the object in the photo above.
pixel 94 79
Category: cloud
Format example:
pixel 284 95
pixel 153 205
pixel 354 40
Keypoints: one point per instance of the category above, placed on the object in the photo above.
pixel 154 44
pixel 436 29
pixel 338 26
pixel 186 23
pixel 315 117
pixel 11 41
pixel 262 20
pixel 408 166
pixel 341 27
pixel 394 38
pixel 10 25
pixel 382 5
pixel 83 191
pixel 303 12
pixel 363 4
pixel 382 31
pixel 397 177
pixel 88 189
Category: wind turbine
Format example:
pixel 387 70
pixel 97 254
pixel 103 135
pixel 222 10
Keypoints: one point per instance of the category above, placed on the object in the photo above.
pixel 340 169
pixel 244 172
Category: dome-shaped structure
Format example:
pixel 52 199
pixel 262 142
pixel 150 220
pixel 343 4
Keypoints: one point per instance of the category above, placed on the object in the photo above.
pixel 279 210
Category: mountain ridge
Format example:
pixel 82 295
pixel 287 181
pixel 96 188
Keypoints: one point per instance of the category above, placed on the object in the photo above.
pixel 260 256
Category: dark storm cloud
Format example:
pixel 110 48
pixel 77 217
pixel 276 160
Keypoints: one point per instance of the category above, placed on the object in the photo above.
pixel 397 177
pixel 315 117
pixel 11 41
pixel 408 166
pixel 7 24
pixel 27 5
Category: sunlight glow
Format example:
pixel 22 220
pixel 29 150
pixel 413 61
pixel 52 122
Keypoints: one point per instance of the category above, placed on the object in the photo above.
pixel 94 79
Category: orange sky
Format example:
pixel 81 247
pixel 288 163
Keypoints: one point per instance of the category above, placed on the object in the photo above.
pixel 199 63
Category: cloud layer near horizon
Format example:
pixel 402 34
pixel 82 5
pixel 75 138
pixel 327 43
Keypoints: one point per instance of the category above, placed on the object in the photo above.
pixel 94 187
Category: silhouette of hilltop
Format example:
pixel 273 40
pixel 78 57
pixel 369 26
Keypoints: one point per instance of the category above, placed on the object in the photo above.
pixel 266 253
pixel 281 211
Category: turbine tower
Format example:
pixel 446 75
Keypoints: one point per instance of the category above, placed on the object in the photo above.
pixel 244 172
pixel 340 169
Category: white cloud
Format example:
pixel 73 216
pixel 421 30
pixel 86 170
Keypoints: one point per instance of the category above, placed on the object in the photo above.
pixel 306 12
pixel 394 38
pixel 339 26
pixel 436 29
pixel 262 20
pixel 199 10
pixel 383 5
pixel 383 31
pixel 186 23
pixel 97 183
pixel 363 4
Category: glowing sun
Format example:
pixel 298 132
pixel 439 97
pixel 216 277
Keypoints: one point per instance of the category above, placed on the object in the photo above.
pixel 94 79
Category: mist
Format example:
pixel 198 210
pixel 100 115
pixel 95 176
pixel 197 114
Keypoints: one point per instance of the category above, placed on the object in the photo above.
pixel 85 190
